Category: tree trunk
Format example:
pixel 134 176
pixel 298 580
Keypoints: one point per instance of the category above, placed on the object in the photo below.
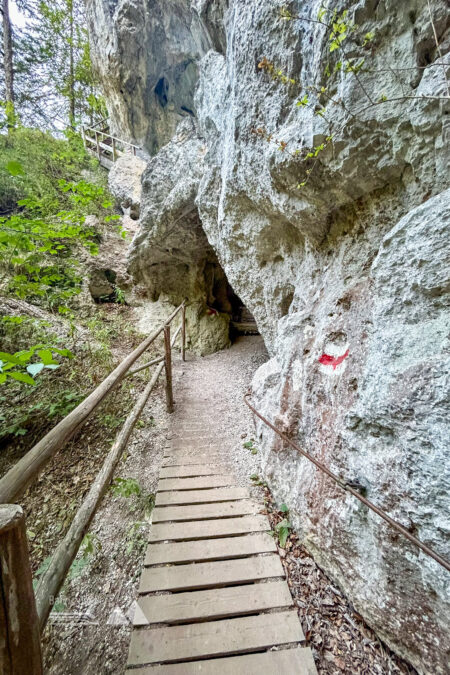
pixel 8 62
pixel 71 69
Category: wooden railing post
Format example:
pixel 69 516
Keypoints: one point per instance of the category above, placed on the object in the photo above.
pixel 168 367
pixel 114 148
pixel 20 646
pixel 98 144
pixel 183 333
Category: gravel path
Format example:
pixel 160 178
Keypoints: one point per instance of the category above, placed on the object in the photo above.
pixel 89 631
pixel 213 388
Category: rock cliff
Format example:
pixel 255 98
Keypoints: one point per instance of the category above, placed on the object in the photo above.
pixel 315 178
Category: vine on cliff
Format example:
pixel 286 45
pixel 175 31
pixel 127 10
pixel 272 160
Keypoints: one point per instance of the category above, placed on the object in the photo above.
pixel 338 29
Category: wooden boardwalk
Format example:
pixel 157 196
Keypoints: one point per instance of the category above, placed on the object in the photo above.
pixel 213 598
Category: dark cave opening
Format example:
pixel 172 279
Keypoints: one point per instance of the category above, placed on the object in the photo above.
pixel 223 298
pixel 162 91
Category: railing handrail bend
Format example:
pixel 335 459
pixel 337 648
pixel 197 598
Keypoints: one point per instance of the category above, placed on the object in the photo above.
pixel 103 133
pixel 348 488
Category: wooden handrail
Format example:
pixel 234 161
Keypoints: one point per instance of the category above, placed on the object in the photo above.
pixel 59 565
pixel 23 614
pixel 53 578
pixel 20 647
pixel 29 466
pixel 113 138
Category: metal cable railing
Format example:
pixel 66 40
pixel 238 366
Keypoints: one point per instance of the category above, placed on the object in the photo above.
pixel 348 488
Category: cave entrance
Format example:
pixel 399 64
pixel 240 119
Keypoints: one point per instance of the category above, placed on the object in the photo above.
pixel 223 298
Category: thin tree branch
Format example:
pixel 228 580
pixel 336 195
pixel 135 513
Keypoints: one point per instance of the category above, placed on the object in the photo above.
pixel 438 47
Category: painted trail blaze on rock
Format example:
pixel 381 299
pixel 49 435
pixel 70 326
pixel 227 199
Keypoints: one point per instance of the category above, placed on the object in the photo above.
pixel 334 361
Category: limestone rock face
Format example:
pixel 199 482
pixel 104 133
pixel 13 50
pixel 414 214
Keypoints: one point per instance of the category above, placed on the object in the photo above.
pixel 170 254
pixel 124 181
pixel 342 258
pixel 146 55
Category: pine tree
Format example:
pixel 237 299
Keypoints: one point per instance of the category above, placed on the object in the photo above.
pixel 50 66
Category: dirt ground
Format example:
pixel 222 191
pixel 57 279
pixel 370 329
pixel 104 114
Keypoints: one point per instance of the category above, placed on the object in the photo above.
pixel 89 629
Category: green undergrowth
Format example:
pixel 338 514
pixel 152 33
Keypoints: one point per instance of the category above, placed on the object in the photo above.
pixel 97 344
pixel 54 209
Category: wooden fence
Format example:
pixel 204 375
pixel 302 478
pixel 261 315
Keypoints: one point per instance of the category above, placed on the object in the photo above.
pixel 24 613
pixel 106 147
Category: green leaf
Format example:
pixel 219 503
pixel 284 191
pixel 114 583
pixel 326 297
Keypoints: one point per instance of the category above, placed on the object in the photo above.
pixel 22 377
pixel 46 356
pixel 284 508
pixel 9 358
pixel 283 528
pixel 35 368
pixel 2 378
pixel 63 352
pixel 15 168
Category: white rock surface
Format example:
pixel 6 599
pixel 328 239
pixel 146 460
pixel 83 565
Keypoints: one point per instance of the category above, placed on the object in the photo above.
pixel 124 181
pixel 345 276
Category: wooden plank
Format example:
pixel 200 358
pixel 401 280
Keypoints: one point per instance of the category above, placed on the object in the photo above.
pixel 191 470
pixel 242 507
pixel 194 483
pixel 206 529
pixel 186 448
pixel 200 496
pixel 217 603
pixel 191 459
pixel 189 451
pixel 298 661
pixel 210 549
pixel 210 574
pixel 215 638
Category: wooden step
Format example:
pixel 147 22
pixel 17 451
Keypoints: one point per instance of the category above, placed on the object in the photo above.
pixel 199 483
pixel 210 549
pixel 216 638
pixel 298 661
pixel 208 529
pixel 188 460
pixel 210 574
pixel 241 507
pixel 192 470
pixel 217 603
pixel 200 496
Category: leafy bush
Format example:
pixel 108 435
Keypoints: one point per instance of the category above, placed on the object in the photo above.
pixel 45 198
pixel 125 487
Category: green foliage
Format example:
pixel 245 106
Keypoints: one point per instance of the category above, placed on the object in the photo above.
pixel 66 402
pixel 19 366
pixel 111 421
pixel 90 545
pixel 125 487
pixel 283 529
pixel 46 200
pixel 135 538
pixel 284 508
pixel 250 445
pixel 54 83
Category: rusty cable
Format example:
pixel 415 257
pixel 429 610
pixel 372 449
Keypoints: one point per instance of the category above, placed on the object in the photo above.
pixel 345 486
